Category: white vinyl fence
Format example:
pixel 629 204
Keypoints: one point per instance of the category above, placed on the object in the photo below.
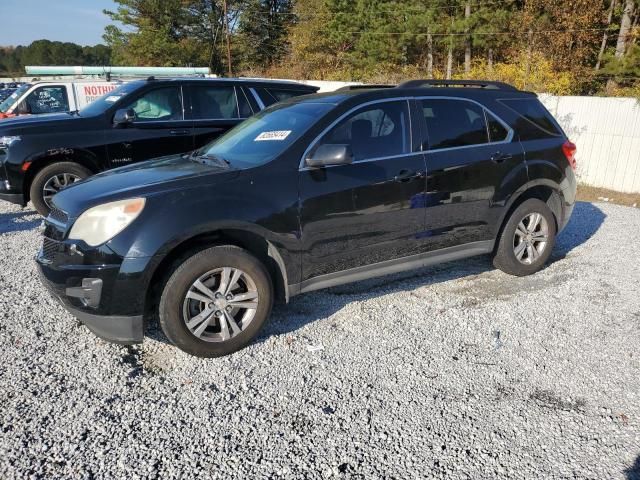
pixel 607 133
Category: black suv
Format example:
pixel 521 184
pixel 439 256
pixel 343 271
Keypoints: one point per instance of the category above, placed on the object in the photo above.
pixel 313 192
pixel 143 119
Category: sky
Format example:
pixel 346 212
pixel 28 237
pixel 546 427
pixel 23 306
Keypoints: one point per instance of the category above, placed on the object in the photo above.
pixel 78 21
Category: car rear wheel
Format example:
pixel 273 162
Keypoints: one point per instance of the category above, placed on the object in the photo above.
pixel 216 301
pixel 527 239
pixel 52 179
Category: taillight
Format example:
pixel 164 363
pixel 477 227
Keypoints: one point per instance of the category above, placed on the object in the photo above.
pixel 569 148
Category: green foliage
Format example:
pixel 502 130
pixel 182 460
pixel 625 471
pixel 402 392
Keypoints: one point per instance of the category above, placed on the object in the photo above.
pixel 45 52
pixel 262 32
pixel 155 34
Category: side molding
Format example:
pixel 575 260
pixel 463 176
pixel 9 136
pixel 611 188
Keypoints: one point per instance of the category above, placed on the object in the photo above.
pixel 392 266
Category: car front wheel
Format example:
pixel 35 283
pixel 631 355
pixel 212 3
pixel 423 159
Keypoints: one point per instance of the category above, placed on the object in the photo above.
pixel 216 301
pixel 52 179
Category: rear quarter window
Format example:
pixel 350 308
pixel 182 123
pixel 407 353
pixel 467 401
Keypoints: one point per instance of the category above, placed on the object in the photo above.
pixel 271 95
pixel 534 122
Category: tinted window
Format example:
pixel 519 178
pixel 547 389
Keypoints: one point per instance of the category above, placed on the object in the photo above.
pixel 10 100
pixel 161 104
pixel 269 96
pixel 214 102
pixel 379 130
pixel 454 123
pixel 266 135
pixel 265 96
pixel 534 120
pixel 243 104
pixel 48 100
pixel 283 94
pixel 497 131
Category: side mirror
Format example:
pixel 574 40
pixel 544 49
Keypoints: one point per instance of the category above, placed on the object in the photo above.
pixel 330 155
pixel 124 116
pixel 23 108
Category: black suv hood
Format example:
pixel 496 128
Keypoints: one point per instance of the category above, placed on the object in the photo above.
pixel 175 172
pixel 47 123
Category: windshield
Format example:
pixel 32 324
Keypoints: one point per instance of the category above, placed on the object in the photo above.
pixel 100 105
pixel 11 99
pixel 266 135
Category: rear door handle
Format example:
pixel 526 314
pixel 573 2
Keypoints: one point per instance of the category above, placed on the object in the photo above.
pixel 179 132
pixel 406 175
pixel 500 157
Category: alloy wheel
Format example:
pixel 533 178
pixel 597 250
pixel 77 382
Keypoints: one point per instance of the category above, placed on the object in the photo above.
pixel 55 184
pixel 220 304
pixel 531 238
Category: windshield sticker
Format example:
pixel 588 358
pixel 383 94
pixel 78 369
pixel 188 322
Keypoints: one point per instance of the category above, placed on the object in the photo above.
pixel 113 98
pixel 278 135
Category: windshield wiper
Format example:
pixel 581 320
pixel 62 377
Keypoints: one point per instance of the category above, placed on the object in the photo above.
pixel 208 158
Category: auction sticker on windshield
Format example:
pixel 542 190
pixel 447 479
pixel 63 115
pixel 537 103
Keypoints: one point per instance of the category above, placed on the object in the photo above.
pixel 278 135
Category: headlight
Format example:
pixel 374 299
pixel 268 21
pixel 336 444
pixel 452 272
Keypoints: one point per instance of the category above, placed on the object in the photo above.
pixel 100 224
pixel 8 140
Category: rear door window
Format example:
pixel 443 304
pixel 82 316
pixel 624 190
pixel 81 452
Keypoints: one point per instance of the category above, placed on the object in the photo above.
pixel 454 123
pixel 214 102
pixel 48 100
pixel 534 121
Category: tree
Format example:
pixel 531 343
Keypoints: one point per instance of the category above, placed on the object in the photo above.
pixel 158 35
pixel 262 31
pixel 45 52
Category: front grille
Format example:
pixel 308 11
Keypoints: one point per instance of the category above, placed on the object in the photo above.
pixel 58 215
pixel 50 248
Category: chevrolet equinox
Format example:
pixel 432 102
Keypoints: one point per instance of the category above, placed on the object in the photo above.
pixel 316 191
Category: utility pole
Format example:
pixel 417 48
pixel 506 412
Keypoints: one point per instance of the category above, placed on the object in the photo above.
pixel 467 41
pixel 226 28
pixel 527 67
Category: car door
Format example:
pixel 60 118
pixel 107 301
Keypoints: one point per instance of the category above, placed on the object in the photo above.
pixel 214 109
pixel 369 211
pixel 470 155
pixel 158 128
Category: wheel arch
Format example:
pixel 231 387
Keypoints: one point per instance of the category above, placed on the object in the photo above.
pixel 57 155
pixel 543 190
pixel 254 243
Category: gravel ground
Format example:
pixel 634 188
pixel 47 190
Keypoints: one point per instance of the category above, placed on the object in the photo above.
pixel 458 371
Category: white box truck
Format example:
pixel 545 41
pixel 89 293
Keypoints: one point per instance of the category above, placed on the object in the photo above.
pixel 54 97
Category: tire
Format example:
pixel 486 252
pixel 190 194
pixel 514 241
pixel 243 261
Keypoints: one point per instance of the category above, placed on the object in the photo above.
pixel 193 323
pixel 46 177
pixel 520 250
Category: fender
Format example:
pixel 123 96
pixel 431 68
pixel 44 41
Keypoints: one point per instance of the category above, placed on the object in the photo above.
pixel 540 182
pixel 86 157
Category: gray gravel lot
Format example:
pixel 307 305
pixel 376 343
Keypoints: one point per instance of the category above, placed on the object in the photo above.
pixel 457 371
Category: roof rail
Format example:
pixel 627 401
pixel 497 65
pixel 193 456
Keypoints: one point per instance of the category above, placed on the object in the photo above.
pixel 347 88
pixel 489 85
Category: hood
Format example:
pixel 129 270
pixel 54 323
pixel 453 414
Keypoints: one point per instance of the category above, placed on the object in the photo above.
pixel 145 179
pixel 45 122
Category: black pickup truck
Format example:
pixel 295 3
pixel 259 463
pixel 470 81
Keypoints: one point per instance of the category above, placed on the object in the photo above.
pixel 142 119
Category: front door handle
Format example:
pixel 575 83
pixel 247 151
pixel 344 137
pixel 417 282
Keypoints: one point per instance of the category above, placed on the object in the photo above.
pixel 179 132
pixel 500 157
pixel 406 175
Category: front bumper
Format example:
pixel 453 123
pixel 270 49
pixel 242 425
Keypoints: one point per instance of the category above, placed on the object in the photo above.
pixel 116 329
pixel 7 193
pixel 81 293
pixel 17 198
